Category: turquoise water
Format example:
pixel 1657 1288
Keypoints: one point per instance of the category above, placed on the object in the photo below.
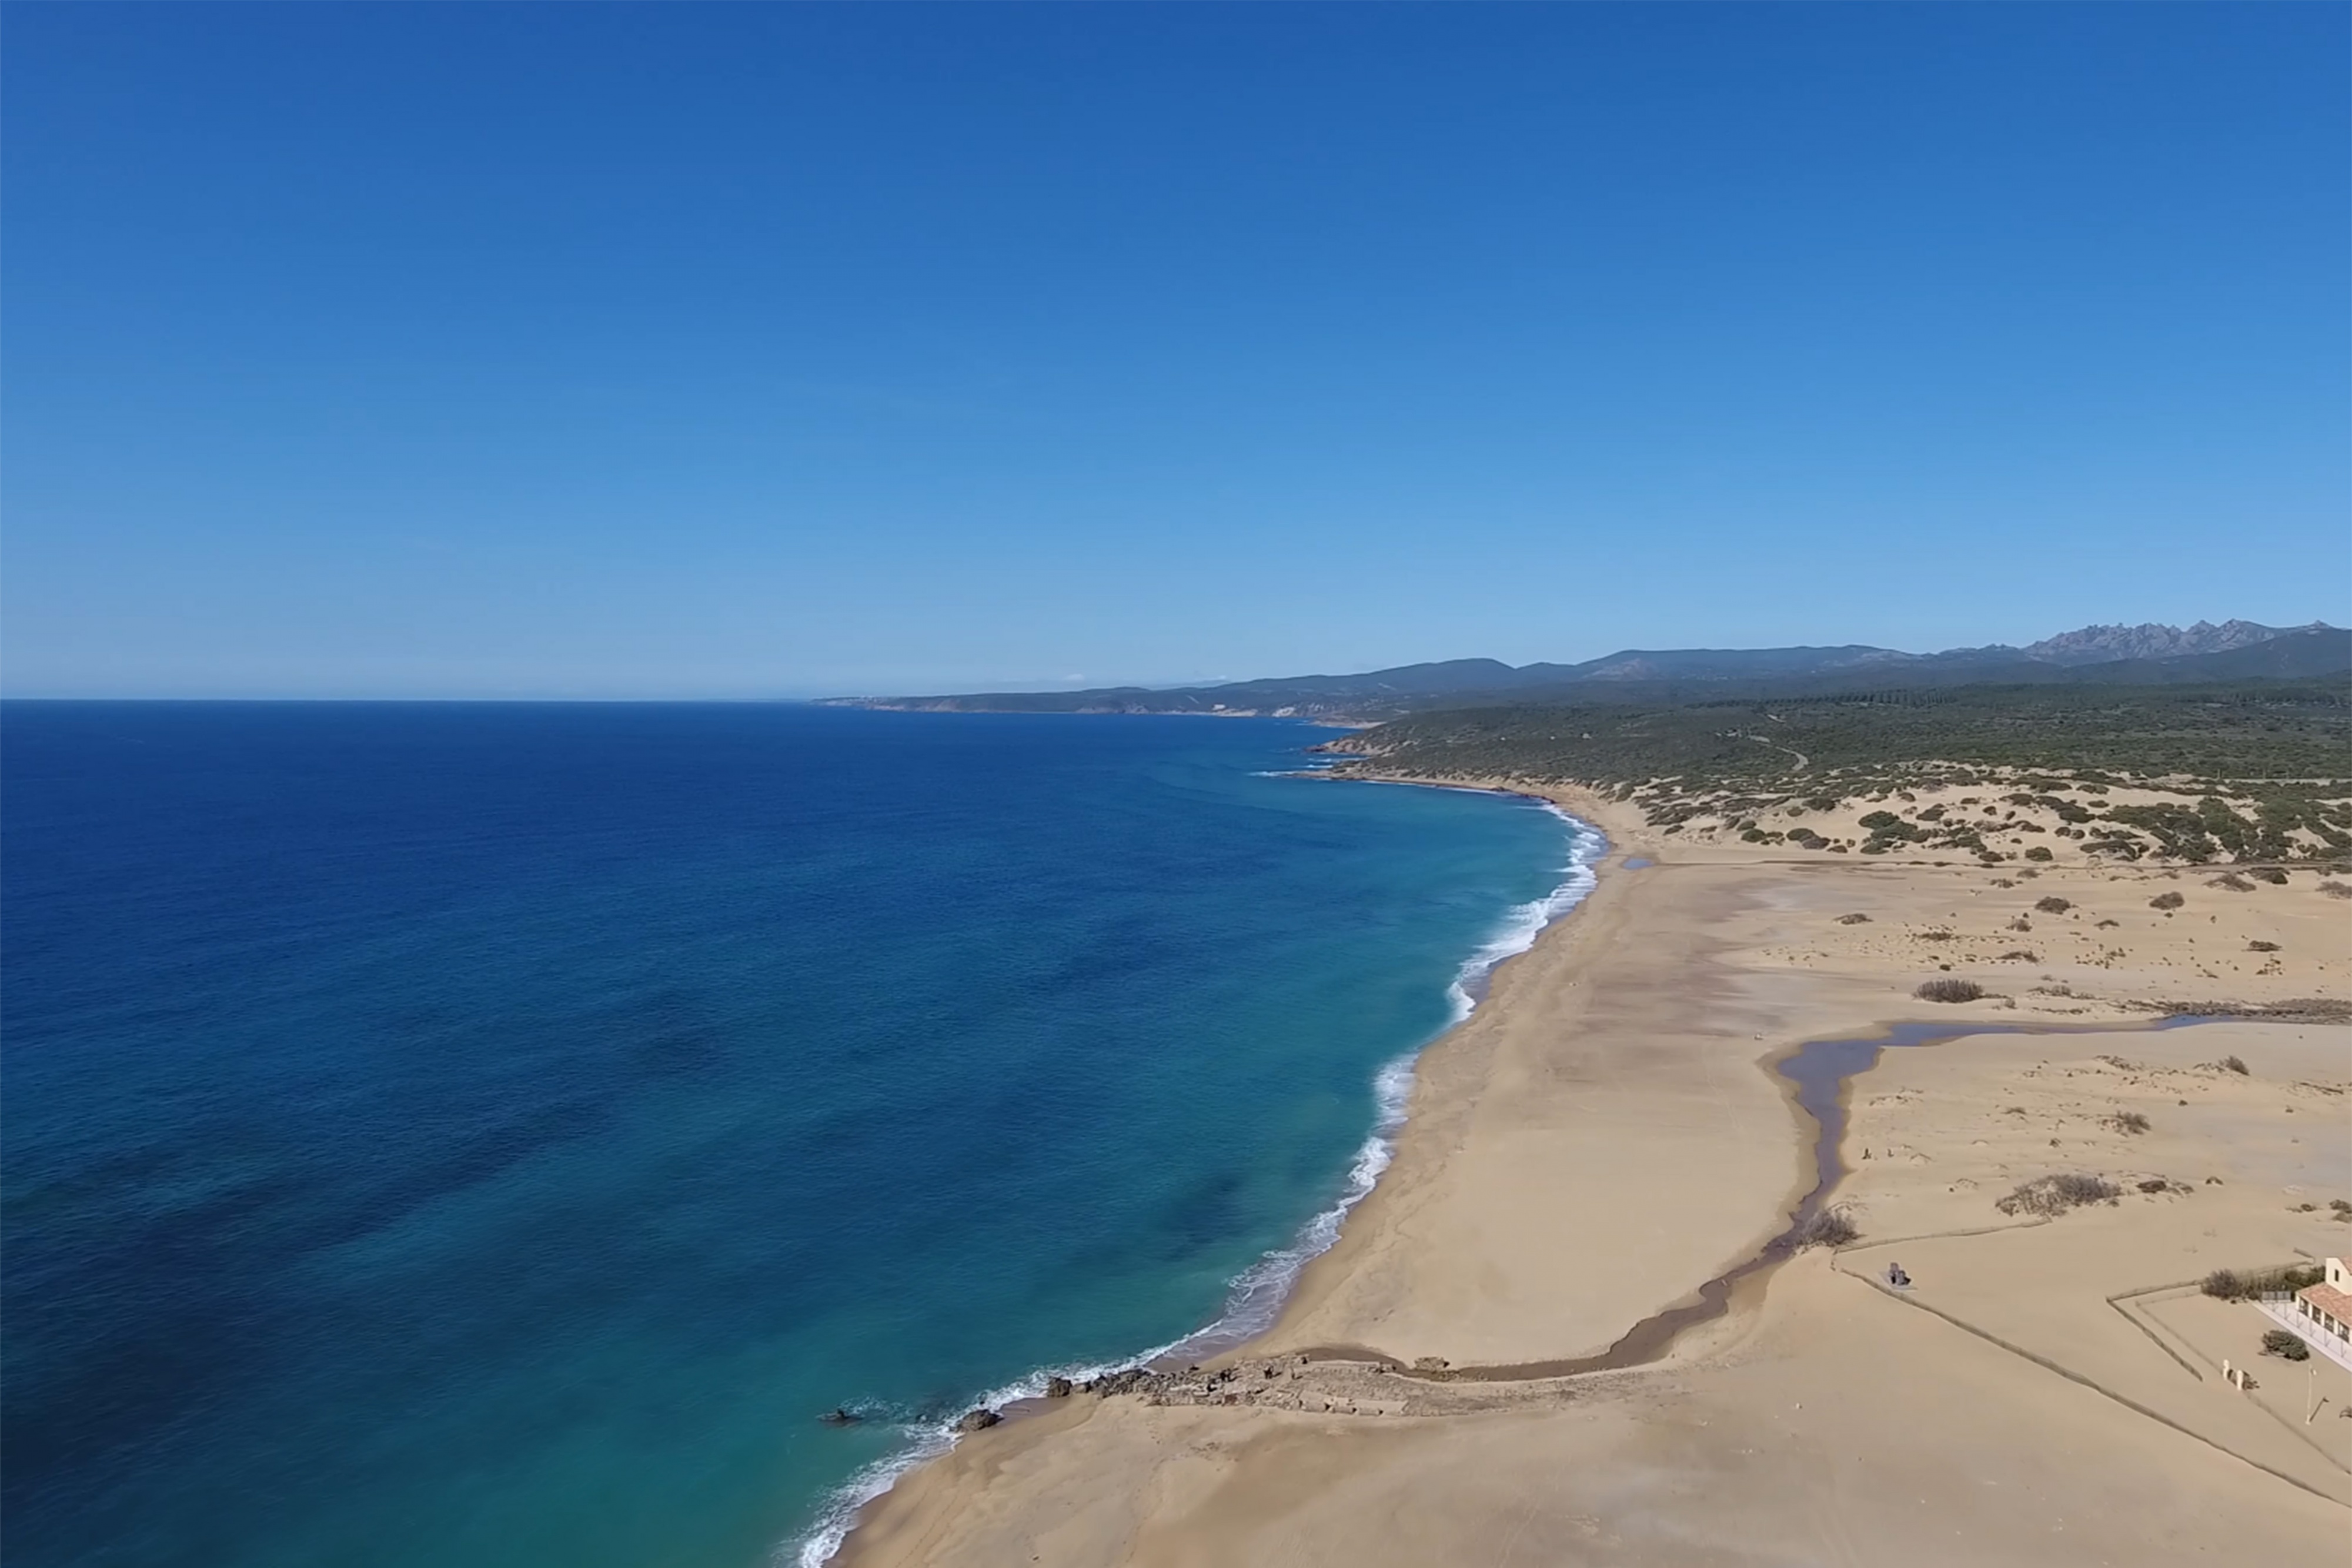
pixel 493 1134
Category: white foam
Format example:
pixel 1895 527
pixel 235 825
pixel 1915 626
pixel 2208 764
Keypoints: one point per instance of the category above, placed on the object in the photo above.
pixel 1526 921
pixel 927 1440
pixel 1257 1293
pixel 840 1513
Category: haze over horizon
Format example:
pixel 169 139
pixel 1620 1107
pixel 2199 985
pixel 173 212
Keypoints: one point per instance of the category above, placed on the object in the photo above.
pixel 802 351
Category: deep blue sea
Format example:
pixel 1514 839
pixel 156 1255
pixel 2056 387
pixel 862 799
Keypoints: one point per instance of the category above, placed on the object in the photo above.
pixel 490 1136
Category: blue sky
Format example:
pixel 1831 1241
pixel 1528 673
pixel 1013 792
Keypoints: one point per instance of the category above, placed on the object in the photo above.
pixel 674 350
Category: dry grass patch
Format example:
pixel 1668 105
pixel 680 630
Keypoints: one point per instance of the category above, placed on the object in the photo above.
pixel 1830 1227
pixel 2052 1195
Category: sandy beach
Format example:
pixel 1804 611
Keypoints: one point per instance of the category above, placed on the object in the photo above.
pixel 1607 1134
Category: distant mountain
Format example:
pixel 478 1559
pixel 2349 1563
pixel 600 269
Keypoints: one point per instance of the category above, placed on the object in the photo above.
pixel 2317 649
pixel 1716 664
pixel 2104 644
pixel 2136 655
pixel 1419 680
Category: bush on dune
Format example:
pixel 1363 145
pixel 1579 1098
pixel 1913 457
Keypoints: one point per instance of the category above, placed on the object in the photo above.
pixel 2052 1195
pixel 1830 1227
pixel 2230 1285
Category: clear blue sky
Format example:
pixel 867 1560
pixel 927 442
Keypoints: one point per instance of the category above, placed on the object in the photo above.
pixel 734 351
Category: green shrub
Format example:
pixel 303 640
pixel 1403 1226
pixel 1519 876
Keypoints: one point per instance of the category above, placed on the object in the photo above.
pixel 1948 991
pixel 2230 1285
pixel 2281 1343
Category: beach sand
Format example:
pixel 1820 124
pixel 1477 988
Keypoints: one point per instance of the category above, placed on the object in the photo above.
pixel 1605 1133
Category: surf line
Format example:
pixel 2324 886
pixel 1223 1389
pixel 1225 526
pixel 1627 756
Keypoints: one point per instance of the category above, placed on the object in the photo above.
pixel 1256 1295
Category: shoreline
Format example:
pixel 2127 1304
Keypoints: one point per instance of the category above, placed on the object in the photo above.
pixel 1298 1328
pixel 1025 1399
pixel 1620 1098
pixel 1394 1084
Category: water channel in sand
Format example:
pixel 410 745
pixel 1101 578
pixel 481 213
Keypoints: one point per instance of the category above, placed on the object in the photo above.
pixel 1818 1073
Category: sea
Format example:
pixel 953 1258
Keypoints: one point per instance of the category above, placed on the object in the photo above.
pixel 495 1135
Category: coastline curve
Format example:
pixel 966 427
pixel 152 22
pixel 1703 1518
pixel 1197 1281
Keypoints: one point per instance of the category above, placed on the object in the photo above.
pixel 1256 1296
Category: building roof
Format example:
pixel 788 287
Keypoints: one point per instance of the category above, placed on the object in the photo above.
pixel 2329 1299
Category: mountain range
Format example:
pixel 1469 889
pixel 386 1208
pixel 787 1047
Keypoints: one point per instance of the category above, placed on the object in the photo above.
pixel 2144 654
